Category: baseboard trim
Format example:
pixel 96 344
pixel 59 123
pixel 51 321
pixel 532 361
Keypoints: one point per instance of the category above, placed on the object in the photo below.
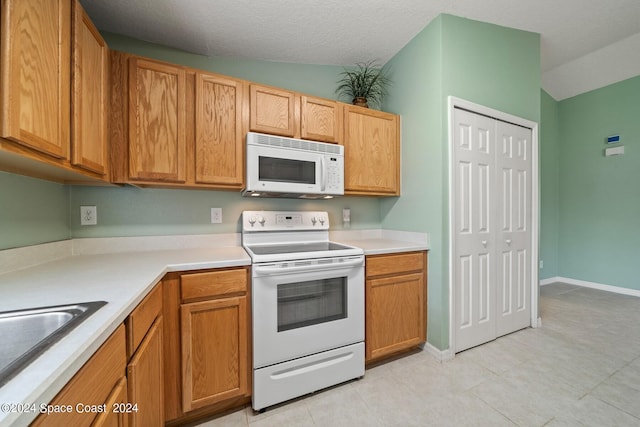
pixel 439 355
pixel 551 280
pixel 592 285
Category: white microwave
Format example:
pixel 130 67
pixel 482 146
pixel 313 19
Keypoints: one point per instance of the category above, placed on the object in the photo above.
pixel 294 168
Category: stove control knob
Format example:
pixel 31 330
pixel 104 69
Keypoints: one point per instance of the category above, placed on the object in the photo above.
pixel 252 220
pixel 321 219
pixel 313 220
pixel 261 220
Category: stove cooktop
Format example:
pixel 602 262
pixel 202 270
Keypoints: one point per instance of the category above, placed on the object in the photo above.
pixel 271 236
pixel 298 247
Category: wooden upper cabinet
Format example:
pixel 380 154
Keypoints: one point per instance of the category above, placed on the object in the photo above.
pixel 320 119
pixel 219 130
pixel 90 91
pixel 35 67
pixel 272 110
pixel 372 152
pixel 157 138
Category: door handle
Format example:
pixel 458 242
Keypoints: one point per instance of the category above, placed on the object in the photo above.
pixel 323 182
pixel 285 268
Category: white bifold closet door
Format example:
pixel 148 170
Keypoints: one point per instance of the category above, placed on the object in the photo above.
pixel 492 203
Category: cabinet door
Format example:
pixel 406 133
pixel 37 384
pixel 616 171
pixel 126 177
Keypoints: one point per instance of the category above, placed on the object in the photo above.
pixel 219 130
pixel 157 139
pixel 92 385
pixel 372 152
pixel 320 119
pixel 35 69
pixel 272 111
pixel 90 86
pixel 395 314
pixel 146 380
pixel 214 351
pixel 115 417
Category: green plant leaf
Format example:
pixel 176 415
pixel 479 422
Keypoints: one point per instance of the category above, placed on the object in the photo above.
pixel 365 79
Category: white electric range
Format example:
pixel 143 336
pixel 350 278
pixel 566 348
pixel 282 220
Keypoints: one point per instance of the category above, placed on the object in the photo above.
pixel 307 305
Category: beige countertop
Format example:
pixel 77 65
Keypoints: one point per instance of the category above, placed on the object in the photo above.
pixel 120 271
pixel 120 279
pixel 385 246
pixel 377 242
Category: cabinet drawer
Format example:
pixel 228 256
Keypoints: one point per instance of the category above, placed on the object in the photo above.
pixel 393 264
pixel 141 319
pixel 213 283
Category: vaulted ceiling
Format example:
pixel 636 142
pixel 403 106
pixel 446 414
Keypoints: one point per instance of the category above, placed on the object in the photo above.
pixel 585 44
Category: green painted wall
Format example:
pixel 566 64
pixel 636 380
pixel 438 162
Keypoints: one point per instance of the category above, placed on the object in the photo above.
pixel 415 95
pixel 549 185
pixel 32 211
pixel 600 196
pixel 130 211
pixel 490 65
pixel 317 80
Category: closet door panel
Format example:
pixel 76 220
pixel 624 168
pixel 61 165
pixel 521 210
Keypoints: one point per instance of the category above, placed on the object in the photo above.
pixel 492 204
pixel 513 238
pixel 474 212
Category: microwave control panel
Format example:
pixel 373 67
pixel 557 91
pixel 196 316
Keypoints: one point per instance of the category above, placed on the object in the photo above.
pixel 335 173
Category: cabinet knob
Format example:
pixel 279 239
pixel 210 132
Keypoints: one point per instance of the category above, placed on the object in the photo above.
pixel 508 241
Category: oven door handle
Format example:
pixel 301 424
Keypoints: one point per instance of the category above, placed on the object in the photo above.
pixel 277 269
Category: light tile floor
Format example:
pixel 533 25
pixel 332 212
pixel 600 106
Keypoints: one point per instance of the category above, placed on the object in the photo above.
pixel 582 368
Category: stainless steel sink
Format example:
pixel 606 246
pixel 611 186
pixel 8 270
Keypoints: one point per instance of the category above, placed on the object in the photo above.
pixel 26 334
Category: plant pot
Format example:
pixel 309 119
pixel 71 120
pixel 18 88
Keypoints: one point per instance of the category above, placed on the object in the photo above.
pixel 360 101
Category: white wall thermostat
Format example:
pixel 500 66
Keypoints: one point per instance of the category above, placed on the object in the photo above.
pixel 613 139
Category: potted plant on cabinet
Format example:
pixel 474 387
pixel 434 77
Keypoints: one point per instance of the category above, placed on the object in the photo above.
pixel 366 82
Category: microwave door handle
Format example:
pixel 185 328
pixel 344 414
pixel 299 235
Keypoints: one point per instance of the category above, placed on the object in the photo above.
pixel 323 184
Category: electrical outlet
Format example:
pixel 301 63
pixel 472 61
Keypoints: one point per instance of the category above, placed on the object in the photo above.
pixel 346 215
pixel 216 215
pixel 541 264
pixel 88 215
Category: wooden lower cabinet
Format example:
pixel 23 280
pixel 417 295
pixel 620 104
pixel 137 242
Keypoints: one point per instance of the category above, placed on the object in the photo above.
pixel 93 385
pixel 145 369
pixel 207 343
pixel 117 399
pixel 145 380
pixel 396 303
pixel 214 351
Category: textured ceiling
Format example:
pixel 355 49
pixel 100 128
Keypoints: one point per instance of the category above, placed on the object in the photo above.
pixel 343 32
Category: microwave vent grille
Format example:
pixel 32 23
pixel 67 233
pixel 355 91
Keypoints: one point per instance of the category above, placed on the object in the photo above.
pixel 299 144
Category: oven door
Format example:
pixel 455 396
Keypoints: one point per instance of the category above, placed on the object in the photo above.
pixel 305 307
